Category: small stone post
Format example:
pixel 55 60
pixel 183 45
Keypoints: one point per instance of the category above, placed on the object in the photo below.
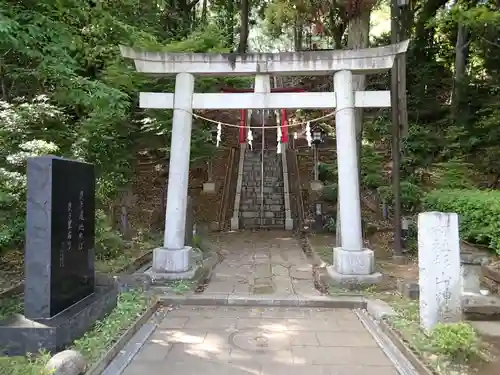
pixel 439 269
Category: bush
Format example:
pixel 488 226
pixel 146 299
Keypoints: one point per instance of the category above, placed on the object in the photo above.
pixel 372 165
pixel 453 175
pixel 457 340
pixel 330 225
pixel 411 196
pixel 329 193
pixel 108 242
pixel 479 212
pixel 327 172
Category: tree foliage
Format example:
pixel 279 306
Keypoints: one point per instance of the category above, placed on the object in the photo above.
pixel 66 90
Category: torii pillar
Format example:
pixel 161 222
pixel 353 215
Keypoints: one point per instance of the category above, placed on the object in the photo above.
pixel 352 262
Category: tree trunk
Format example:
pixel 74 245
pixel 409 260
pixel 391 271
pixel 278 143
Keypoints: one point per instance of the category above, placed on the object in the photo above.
pixel 204 12
pixel 461 54
pixel 230 24
pixel 424 35
pixel 243 45
pixel 357 38
pixel 298 34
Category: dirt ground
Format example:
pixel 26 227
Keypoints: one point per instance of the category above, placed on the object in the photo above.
pixel 11 269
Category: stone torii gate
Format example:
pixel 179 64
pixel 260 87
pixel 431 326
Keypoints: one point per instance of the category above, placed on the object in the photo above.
pixel 352 262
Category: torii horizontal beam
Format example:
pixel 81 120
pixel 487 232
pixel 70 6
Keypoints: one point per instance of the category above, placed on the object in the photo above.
pixel 273 89
pixel 359 61
pixel 303 100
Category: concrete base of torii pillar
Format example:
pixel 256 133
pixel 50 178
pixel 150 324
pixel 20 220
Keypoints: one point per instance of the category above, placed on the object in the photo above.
pixel 353 265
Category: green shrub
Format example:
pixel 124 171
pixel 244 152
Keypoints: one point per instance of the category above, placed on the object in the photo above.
pixel 108 242
pixel 457 340
pixel 479 212
pixel 329 193
pixel 411 196
pixel 372 180
pixel 372 165
pixel 327 172
pixel 330 225
pixel 453 174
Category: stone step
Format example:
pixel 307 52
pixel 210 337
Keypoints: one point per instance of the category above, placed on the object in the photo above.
pixel 256 223
pixel 255 207
pixel 267 161
pixel 250 214
pixel 256 215
pixel 257 184
pixel 256 192
pixel 256 201
pixel 258 168
pixel 266 190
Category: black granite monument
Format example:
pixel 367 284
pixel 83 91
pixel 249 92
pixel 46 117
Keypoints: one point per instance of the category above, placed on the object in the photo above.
pixel 61 300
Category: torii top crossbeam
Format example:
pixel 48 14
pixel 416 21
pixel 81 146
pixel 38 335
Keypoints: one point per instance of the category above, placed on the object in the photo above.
pixel 359 61
pixel 274 89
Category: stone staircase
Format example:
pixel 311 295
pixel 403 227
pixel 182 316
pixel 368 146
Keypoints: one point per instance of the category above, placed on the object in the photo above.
pixel 264 208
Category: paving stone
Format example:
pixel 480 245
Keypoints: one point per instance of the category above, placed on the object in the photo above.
pixel 211 322
pixel 173 322
pixel 281 369
pixel 303 338
pixel 301 272
pixel 153 351
pixel 142 368
pixel 361 370
pixel 339 356
pixel 268 324
pixel 359 339
pixel 202 353
pixel 217 340
pixel 321 325
pixel 264 358
pixel 197 366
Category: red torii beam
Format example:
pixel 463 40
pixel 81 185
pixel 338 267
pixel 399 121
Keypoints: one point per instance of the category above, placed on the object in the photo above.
pixel 243 112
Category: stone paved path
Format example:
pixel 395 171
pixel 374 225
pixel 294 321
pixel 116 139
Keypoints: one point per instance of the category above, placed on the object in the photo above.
pixel 261 262
pixel 227 340
pixel 233 340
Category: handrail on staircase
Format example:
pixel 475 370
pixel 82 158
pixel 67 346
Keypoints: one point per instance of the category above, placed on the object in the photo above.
pixel 225 191
pixel 295 176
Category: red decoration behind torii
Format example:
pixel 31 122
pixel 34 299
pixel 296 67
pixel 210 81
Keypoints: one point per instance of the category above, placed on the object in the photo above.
pixel 243 112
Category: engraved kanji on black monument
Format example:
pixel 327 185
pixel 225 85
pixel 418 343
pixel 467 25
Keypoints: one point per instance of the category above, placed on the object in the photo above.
pixel 60 231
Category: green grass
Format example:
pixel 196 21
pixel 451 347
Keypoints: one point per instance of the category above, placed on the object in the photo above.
pixel 93 345
pixel 180 286
pixel 10 306
pixel 325 253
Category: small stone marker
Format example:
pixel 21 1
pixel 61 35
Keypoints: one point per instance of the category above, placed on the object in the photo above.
pixel 439 269
pixel 209 187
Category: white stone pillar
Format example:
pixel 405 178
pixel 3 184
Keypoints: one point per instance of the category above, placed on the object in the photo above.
pixel 174 256
pixel 347 159
pixel 352 263
pixel 439 269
